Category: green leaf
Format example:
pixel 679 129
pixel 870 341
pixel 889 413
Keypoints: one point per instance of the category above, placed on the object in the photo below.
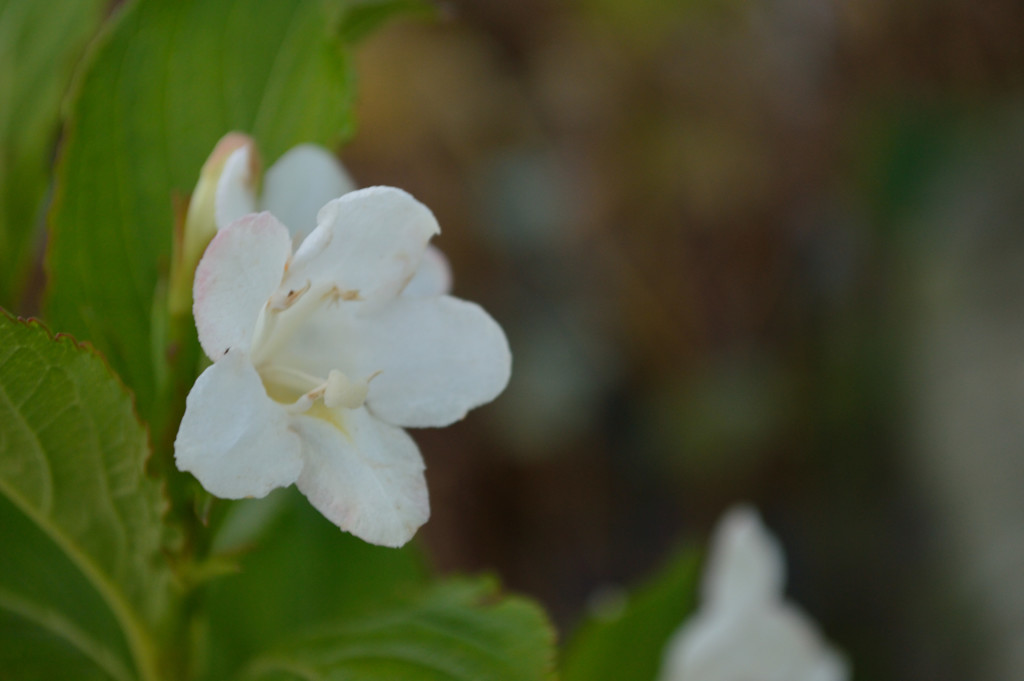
pixel 364 16
pixel 169 80
pixel 39 47
pixel 625 641
pixel 83 583
pixel 299 570
pixel 462 630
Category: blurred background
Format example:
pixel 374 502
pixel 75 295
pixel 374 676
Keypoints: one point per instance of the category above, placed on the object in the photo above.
pixel 763 251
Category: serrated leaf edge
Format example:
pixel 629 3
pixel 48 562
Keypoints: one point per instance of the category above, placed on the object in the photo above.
pixel 139 639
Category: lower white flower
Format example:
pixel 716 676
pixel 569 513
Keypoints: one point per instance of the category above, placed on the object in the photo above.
pixel 322 357
pixel 745 630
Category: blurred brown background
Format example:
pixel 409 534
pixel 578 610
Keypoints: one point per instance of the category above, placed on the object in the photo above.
pixel 768 251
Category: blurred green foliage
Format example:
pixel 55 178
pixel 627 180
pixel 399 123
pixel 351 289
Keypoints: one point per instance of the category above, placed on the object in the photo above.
pixel 462 630
pixel 40 46
pixel 304 571
pixel 625 638
pixel 362 17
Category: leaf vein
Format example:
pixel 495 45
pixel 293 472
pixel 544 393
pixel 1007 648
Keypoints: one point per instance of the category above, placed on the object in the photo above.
pixel 45 618
pixel 46 494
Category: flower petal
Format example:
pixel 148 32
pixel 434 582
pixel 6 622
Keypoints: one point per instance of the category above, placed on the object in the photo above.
pixel 241 268
pixel 365 476
pixel 234 196
pixel 368 243
pixel 744 628
pixel 777 643
pixel 746 566
pixel 233 437
pixel 437 357
pixel 299 184
pixel 433 278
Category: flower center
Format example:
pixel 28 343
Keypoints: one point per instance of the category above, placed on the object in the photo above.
pixel 281 319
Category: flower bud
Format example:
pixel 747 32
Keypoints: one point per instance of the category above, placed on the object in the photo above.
pixel 200 224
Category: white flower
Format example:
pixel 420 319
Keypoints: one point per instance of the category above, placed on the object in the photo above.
pixel 322 357
pixel 745 630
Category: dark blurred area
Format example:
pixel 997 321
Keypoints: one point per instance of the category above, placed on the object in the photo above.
pixel 767 251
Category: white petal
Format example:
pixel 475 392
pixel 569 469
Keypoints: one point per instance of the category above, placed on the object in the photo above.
pixel 433 278
pixel 437 357
pixel 746 565
pixel 368 243
pixel 367 479
pixel 775 643
pixel 745 629
pixel 234 196
pixel 299 184
pixel 233 437
pixel 240 269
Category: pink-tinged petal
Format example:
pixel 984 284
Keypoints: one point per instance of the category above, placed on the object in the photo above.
pixel 433 278
pixel 234 438
pixel 364 476
pixel 234 196
pixel 298 185
pixel 437 358
pixel 368 243
pixel 240 269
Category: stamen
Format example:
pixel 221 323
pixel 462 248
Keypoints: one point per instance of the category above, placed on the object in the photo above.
pixel 291 379
pixel 282 316
pixel 301 405
pixel 307 401
pixel 336 295
pixel 265 324
pixel 341 391
pixel 337 391
pixel 279 302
